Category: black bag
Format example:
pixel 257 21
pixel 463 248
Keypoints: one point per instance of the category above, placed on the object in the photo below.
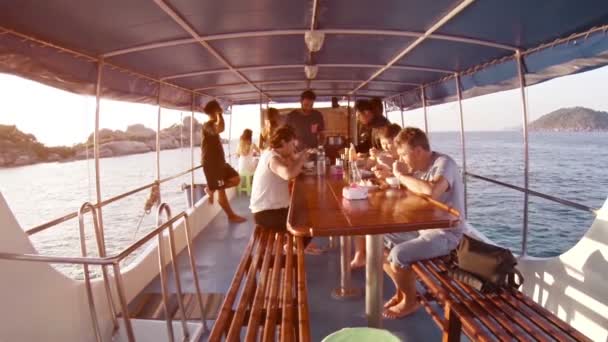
pixel 491 265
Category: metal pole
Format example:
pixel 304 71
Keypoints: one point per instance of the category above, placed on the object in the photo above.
pixel 348 117
pixel 192 151
pixel 385 109
pixel 96 149
pixel 197 286
pixel 158 135
pixel 163 285
pixel 462 144
pixel 426 122
pixel 522 87
pixel 178 283
pixel 123 302
pixel 346 290
pixel 401 109
pixel 85 269
pixel 230 137
pixel 375 278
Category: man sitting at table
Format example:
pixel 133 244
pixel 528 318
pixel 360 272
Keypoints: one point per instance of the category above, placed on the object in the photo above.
pixel 427 172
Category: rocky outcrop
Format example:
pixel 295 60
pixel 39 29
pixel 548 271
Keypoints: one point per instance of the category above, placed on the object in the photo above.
pixel 18 148
pixel 576 119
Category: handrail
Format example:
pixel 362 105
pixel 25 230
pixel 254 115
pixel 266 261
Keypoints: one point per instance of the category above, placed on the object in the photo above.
pixel 562 201
pixel 72 215
pixel 164 207
pixel 116 259
pixel 92 260
pixel 87 277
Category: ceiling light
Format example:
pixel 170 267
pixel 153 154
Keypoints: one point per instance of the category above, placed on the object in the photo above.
pixel 311 71
pixel 314 40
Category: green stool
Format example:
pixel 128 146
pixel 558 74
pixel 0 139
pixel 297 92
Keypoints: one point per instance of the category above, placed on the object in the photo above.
pixel 245 185
pixel 361 335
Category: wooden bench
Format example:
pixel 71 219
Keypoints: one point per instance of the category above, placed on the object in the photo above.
pixel 273 294
pixel 507 315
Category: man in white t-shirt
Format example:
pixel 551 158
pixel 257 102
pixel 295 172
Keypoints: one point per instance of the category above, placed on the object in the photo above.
pixel 270 191
pixel 427 172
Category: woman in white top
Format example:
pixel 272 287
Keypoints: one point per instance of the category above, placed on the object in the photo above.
pixel 270 193
pixel 246 152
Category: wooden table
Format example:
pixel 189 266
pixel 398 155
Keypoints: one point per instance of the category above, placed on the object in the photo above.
pixel 318 209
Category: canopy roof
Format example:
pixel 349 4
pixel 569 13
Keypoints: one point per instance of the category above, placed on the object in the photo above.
pixel 249 51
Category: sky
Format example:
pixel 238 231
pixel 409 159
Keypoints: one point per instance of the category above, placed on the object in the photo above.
pixel 57 117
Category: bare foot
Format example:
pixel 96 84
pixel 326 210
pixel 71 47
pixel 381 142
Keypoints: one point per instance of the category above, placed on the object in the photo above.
pixel 236 219
pixel 358 261
pixel 313 249
pixel 398 297
pixel 401 309
pixel 210 194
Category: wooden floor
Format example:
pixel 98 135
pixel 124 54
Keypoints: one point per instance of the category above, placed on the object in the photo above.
pixel 150 306
pixel 218 250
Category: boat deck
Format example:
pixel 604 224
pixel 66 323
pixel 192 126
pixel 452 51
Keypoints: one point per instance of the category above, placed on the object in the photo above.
pixel 218 251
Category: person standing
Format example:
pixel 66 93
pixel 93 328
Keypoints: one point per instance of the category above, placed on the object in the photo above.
pixel 307 123
pixel 371 123
pixel 219 174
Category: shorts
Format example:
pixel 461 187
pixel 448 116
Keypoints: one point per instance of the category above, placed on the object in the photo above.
pixel 408 247
pixel 217 176
pixel 276 220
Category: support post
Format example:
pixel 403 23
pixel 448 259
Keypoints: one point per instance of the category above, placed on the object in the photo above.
pixel 192 201
pixel 374 280
pixel 426 122
pixel 462 144
pixel 158 134
pixel 522 87
pixel 345 290
pixel 96 150
pixel 401 109
pixel 230 136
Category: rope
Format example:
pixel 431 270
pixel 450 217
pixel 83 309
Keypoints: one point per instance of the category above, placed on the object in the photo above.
pixel 153 199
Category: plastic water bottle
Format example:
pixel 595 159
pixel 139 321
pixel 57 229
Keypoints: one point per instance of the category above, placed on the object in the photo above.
pixel 321 161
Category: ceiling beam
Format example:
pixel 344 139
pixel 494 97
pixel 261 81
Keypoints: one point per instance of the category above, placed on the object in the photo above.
pixel 301 66
pixel 453 13
pixel 186 27
pixel 303 81
pixel 270 33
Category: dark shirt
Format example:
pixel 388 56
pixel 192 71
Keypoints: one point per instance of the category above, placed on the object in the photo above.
pixel 307 127
pixel 213 151
pixel 369 135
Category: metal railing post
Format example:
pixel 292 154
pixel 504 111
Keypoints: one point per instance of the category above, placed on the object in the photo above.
pixel 96 151
pixel 85 268
pixel 197 286
pixel 158 134
pixel 423 98
pixel 462 143
pixel 123 302
pixel 522 87
pixel 164 207
pixel 102 254
pixel 164 288
pixel 401 109
pixel 230 137
pixel 192 151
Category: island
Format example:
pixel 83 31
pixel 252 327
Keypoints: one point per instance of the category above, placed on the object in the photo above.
pixel 575 119
pixel 18 148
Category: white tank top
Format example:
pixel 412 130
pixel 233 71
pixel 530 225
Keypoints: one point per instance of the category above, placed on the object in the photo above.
pixel 269 191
